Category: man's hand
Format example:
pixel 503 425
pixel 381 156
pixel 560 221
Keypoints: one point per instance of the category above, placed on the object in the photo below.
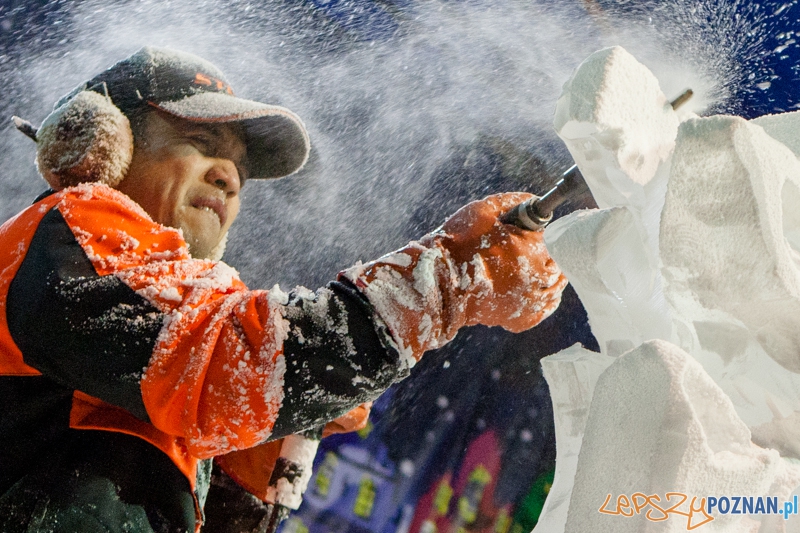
pixel 472 270
pixel 505 275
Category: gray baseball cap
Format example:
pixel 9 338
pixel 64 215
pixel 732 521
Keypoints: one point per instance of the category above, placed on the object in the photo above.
pixel 189 87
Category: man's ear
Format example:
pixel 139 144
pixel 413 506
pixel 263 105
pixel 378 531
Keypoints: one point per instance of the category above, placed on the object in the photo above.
pixel 88 139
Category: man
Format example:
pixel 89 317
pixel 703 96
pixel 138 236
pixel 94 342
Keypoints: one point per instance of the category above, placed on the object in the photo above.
pixel 130 357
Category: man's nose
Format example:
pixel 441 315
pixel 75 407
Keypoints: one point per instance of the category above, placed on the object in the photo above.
pixel 224 175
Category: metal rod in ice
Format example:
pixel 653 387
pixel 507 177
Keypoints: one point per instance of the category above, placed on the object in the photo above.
pixel 537 213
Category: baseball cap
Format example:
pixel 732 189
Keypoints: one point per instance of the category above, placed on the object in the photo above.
pixel 189 87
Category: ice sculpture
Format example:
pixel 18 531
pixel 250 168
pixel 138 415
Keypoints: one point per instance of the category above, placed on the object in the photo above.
pixel 690 268
pixel 575 370
pixel 659 424
pixel 620 136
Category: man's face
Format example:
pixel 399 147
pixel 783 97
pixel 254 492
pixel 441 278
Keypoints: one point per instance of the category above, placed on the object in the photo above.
pixel 187 175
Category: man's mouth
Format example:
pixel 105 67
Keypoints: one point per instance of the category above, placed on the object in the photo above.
pixel 214 205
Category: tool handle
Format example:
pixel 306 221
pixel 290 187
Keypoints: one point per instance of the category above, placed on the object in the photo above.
pixel 278 514
pixel 291 474
pixel 526 216
pixel 537 212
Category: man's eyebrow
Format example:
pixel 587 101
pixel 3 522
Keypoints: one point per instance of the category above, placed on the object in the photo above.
pixel 216 130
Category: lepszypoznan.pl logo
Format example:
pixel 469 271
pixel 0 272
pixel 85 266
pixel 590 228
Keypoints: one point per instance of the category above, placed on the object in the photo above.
pixel 697 511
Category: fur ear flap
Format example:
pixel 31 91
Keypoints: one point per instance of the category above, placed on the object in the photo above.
pixel 87 139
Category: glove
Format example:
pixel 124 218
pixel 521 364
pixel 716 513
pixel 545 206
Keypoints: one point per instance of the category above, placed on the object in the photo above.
pixel 472 270
pixel 351 421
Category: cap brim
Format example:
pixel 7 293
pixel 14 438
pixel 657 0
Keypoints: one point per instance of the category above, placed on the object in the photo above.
pixel 277 140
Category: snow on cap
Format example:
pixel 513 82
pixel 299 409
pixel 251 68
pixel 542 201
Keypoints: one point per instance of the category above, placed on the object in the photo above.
pixel 189 87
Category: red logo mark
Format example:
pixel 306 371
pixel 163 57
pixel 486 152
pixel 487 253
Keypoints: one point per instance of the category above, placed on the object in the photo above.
pixel 210 81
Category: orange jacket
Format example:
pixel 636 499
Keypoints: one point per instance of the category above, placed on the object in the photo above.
pixel 98 298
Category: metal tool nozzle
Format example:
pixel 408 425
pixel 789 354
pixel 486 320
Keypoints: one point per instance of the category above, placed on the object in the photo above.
pixel 537 212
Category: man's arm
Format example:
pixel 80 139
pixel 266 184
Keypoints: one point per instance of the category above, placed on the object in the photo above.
pixel 228 368
pixel 104 293
pixel 319 386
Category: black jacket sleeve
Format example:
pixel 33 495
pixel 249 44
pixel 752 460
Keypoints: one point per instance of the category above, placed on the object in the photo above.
pixel 338 355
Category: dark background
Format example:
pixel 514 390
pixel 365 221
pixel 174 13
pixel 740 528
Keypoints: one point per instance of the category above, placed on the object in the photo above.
pixel 414 108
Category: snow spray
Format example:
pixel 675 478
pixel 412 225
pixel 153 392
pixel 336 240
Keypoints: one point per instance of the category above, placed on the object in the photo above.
pixel 388 91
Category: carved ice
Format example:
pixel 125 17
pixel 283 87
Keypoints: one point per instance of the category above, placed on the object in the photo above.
pixel 575 370
pixel 691 268
pixel 658 424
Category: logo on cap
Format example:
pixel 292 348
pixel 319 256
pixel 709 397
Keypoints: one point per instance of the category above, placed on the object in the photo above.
pixel 210 81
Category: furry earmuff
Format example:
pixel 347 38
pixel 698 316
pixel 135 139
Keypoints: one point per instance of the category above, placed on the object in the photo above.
pixel 87 139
